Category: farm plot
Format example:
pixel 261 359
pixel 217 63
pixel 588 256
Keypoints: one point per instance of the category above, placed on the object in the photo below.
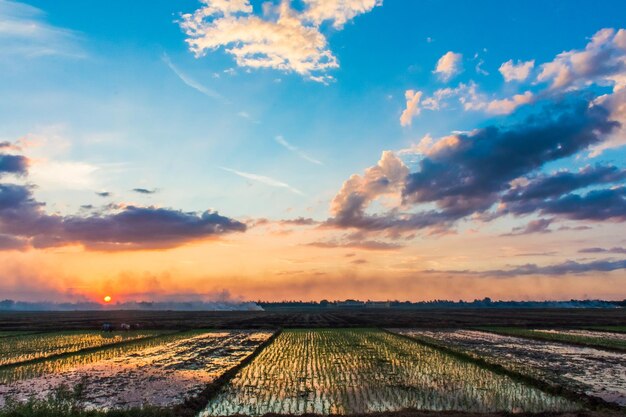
pixel 163 374
pixel 595 372
pixel 21 348
pixel 358 371
pixel 607 340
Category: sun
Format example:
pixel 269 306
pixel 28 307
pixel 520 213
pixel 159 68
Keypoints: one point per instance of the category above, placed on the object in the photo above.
pixel 107 298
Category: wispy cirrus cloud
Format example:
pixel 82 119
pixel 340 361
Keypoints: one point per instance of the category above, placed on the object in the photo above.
pixel 263 180
pixel 189 81
pixel 281 141
pixel 25 33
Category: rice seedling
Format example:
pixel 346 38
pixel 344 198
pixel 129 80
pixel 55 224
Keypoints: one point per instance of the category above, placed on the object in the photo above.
pixel 332 371
pixel 161 371
pixel 22 348
pixel 614 341
pixel 594 372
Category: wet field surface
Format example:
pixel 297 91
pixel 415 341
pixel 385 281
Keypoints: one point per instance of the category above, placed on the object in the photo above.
pixel 593 371
pixel 161 375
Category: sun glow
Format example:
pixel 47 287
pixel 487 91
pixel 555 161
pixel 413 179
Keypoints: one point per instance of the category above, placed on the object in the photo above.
pixel 107 298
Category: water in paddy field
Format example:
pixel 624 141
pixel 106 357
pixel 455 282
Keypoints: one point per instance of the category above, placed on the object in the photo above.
pixel 595 372
pixel 161 371
pixel 360 371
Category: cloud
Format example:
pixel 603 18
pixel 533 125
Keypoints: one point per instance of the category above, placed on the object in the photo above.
pixel 103 194
pixel 508 105
pixel 519 71
pixel 13 164
pixel 534 193
pixel 264 180
pixel 25 33
pixel 619 250
pixel 387 177
pixel 535 226
pixel 468 174
pixel 467 95
pixel 126 228
pixel 486 160
pixel 565 268
pixel 188 80
pixel 144 190
pixel 282 38
pixel 8 242
pixel 64 174
pixel 412 107
pixel 602 61
pixel 339 12
pixel 280 140
pixel 24 223
pixel 300 221
pixel 374 245
pixel 449 65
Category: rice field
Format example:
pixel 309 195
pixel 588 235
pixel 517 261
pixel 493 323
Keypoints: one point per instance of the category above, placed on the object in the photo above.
pixel 595 372
pixel 335 371
pixel 601 339
pixel 41 345
pixel 160 371
pixel 8 333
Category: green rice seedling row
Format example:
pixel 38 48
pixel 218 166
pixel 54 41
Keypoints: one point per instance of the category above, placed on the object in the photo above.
pixel 608 340
pixel 340 371
pixel 594 372
pixel 162 371
pixel 36 346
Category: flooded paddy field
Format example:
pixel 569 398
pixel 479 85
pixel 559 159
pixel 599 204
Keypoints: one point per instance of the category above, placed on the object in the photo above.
pixel 333 371
pixel 595 372
pixel 18 347
pixel 160 371
pixel 591 338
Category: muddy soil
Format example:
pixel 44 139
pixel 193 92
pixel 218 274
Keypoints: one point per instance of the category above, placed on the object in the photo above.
pixel 162 376
pixel 593 371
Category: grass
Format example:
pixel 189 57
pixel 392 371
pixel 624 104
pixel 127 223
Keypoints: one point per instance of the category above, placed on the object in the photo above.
pixel 578 340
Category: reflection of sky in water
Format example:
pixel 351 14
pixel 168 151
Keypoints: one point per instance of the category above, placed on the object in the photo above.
pixel 157 372
pixel 344 371
pixel 594 371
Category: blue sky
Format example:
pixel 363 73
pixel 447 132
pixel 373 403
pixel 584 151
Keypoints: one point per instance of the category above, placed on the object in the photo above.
pixel 108 97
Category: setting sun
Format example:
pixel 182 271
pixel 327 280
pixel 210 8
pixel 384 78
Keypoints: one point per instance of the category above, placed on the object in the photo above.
pixel 107 298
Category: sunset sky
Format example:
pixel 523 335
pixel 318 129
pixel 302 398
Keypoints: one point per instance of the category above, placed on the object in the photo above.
pixel 312 149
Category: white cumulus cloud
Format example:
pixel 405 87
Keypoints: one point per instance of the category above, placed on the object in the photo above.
pixel 519 71
pixel 449 65
pixel 281 38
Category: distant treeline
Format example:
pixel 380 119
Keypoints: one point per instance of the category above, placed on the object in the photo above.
pixel 484 303
pixel 11 305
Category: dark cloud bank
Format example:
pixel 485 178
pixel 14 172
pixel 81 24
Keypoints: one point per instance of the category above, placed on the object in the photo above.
pixel 492 172
pixel 24 222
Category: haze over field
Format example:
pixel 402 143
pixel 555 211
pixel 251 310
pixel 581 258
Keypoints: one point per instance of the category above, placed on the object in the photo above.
pixel 221 151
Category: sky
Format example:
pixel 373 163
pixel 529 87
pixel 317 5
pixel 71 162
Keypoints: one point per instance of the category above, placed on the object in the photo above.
pixel 312 149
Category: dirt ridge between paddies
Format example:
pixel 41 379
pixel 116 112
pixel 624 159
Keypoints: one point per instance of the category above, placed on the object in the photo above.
pixel 192 406
pixel 86 350
pixel 589 401
pixel 531 334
